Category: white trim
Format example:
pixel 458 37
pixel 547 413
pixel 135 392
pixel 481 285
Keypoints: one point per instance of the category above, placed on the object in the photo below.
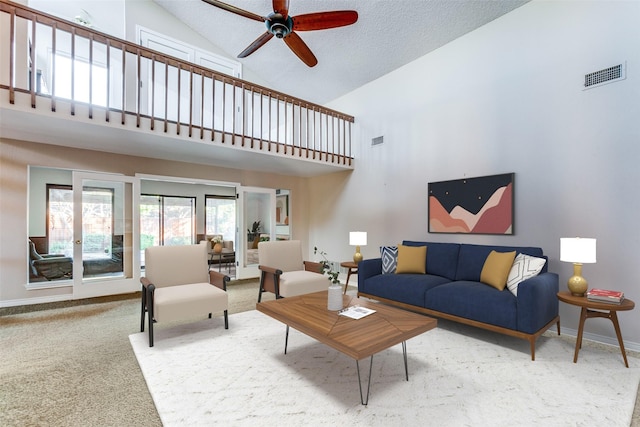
pixel 36 300
pixel 601 339
pixel 38 286
pixel 195 54
pixel 181 180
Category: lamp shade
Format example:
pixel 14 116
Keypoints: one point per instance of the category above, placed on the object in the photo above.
pixel 358 238
pixel 578 250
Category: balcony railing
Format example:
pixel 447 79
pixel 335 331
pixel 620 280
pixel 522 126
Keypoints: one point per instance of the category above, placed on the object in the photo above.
pixel 57 61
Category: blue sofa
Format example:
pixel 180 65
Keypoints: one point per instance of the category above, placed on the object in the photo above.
pixel 451 289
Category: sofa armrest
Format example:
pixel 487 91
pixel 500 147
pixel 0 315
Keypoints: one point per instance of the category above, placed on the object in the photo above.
pixel 537 302
pixel 369 268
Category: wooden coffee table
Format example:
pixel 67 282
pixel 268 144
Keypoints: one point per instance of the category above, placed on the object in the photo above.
pixel 357 339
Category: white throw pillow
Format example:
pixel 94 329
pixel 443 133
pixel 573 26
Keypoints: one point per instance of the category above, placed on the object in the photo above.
pixel 524 267
pixel 389 255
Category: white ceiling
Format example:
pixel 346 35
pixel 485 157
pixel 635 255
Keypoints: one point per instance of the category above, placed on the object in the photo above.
pixel 388 35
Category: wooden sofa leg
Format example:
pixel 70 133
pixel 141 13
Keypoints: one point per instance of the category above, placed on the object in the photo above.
pixel 532 340
pixel 226 319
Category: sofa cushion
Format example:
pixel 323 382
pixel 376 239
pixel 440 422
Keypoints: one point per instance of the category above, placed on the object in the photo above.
pixel 472 257
pixel 524 267
pixel 474 300
pixel 406 288
pixel 389 256
pixel 442 258
pixel 411 259
pixel 496 269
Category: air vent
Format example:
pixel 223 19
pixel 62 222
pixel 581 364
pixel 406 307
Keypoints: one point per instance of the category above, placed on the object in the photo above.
pixel 377 140
pixel 608 75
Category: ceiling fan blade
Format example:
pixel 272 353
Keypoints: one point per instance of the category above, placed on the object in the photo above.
pixel 281 7
pixel 257 44
pixel 300 48
pixel 235 10
pixel 324 20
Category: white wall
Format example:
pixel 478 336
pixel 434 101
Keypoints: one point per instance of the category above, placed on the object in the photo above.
pixel 506 98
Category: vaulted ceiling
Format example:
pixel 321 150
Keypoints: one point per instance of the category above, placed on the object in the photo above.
pixel 387 35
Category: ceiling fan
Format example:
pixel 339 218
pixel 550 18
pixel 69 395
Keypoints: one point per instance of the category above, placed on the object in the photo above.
pixel 283 26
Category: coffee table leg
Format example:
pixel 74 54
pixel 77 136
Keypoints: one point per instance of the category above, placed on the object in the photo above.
pixel 404 354
pixel 286 340
pixel 362 398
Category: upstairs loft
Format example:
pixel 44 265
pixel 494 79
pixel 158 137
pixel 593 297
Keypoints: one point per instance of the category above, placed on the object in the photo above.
pixel 62 83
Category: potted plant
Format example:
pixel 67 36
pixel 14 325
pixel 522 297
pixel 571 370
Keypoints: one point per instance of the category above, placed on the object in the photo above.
pixel 334 295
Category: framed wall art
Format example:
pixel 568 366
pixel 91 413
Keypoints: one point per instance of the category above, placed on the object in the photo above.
pixel 482 205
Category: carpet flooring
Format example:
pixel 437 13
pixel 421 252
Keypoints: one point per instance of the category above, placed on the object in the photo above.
pixel 202 374
pixel 71 364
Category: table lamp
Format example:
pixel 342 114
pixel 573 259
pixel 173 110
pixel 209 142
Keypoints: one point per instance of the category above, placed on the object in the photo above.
pixel 357 239
pixel 578 251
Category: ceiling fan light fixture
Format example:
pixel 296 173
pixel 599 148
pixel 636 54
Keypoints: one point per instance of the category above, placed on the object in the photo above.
pixel 279 27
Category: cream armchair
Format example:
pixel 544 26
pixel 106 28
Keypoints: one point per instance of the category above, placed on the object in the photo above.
pixel 178 285
pixel 283 271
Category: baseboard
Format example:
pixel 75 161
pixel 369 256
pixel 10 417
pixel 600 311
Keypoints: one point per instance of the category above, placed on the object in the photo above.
pixel 36 300
pixel 602 339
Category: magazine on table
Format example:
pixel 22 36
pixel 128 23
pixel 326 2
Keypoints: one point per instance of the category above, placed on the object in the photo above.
pixel 356 312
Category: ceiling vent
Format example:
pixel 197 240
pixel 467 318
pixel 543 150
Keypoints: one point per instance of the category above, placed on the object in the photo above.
pixel 377 141
pixel 608 75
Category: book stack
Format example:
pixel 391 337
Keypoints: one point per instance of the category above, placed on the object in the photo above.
pixel 605 295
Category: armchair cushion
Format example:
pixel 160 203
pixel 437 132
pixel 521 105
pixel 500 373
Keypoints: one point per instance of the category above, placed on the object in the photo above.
pixel 285 255
pixel 302 282
pixel 185 301
pixel 176 265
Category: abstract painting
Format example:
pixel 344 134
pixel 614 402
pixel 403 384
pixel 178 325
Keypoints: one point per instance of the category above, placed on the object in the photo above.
pixel 482 205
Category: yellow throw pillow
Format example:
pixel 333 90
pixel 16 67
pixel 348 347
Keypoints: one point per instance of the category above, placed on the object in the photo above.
pixel 412 259
pixel 496 269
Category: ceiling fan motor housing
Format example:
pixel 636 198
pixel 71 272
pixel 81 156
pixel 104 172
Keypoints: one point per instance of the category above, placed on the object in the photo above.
pixel 278 26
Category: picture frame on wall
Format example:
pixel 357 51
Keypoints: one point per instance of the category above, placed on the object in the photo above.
pixel 479 205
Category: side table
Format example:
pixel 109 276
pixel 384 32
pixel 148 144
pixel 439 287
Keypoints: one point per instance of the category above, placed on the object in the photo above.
pixel 597 309
pixel 353 269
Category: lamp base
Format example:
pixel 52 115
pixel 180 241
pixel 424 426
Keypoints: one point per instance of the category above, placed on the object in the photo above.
pixel 357 257
pixel 577 284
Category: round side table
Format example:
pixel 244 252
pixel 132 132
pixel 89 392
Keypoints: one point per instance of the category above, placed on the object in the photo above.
pixel 597 309
pixel 353 269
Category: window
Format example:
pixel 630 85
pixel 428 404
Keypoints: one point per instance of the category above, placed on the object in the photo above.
pixel 60 219
pixel 166 220
pixel 97 211
pixel 220 216
pixel 97 223
pixel 81 86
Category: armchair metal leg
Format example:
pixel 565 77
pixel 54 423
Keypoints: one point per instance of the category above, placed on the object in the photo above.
pixel 260 287
pixel 143 308
pixel 226 319
pixel 150 313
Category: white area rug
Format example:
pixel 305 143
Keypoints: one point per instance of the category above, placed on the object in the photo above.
pixel 202 374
